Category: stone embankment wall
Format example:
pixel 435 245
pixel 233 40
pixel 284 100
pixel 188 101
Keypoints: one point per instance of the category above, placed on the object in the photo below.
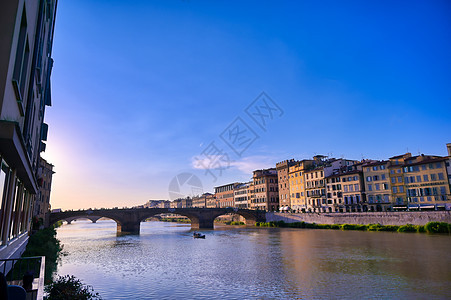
pixel 364 218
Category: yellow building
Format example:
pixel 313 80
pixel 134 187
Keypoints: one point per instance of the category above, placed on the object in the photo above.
pixel 297 184
pixel 426 183
pixel 315 190
pixel 284 183
pixel 399 197
pixel 377 186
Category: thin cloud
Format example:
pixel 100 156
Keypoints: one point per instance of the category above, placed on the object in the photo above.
pixel 245 165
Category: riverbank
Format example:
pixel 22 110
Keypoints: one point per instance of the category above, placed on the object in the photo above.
pixel 431 227
pixel 44 243
pixel 364 218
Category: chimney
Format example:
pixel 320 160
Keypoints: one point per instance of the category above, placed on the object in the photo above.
pixel 448 146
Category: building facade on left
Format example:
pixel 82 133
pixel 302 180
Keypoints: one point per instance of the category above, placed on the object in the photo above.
pixel 26 39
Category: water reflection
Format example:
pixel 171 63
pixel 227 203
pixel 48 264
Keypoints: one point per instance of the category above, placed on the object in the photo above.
pixel 165 262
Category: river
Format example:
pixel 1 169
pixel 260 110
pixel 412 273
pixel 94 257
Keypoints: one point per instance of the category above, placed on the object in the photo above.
pixel 165 262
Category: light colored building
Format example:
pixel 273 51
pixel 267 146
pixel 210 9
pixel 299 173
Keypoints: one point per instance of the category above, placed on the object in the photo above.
pixel 354 197
pixel 201 201
pixel 315 187
pixel 396 170
pixel 334 193
pixel 42 203
pixel 242 195
pixel 265 195
pixel 284 183
pixel 26 36
pixel 164 204
pixel 186 202
pixel 426 182
pixel 153 203
pixel 315 180
pixel 297 184
pixel 377 185
pixel 211 201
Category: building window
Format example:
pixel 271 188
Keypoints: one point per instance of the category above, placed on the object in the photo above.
pixel 425 178
pixel 370 187
pixel 21 62
pixel 433 177
pixel 440 176
pixel 377 186
pixel 395 190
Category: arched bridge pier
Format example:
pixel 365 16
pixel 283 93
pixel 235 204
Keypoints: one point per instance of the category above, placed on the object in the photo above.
pixel 128 220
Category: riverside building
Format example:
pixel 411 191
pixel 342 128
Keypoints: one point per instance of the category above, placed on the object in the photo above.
pixel 201 201
pixel 265 194
pixel 284 183
pixel 42 204
pixel 396 173
pixel 426 182
pixel 242 195
pixel 377 185
pixel 315 181
pixel 297 184
pixel 26 35
pixel 225 195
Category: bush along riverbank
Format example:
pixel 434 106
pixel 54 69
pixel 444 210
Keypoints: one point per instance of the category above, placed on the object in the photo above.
pixel 175 220
pixel 234 223
pixel 44 243
pixel 431 227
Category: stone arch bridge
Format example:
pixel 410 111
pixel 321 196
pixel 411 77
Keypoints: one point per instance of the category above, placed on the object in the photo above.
pixel 128 220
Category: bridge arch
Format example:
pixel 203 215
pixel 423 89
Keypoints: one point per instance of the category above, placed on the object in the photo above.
pixel 128 220
pixel 191 216
pixel 75 215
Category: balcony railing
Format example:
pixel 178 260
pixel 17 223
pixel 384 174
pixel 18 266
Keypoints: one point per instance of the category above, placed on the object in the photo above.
pixel 15 269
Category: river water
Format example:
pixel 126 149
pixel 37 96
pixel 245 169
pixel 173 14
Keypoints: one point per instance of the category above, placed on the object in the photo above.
pixel 165 262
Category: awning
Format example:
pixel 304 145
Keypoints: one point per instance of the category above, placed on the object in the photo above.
pixel 401 207
pixel 426 206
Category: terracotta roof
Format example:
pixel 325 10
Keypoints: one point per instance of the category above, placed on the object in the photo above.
pixel 400 156
pixel 376 163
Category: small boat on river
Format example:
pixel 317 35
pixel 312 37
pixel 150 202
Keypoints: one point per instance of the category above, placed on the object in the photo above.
pixel 197 235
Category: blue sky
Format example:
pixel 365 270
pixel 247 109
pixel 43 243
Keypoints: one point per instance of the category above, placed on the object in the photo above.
pixel 140 89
